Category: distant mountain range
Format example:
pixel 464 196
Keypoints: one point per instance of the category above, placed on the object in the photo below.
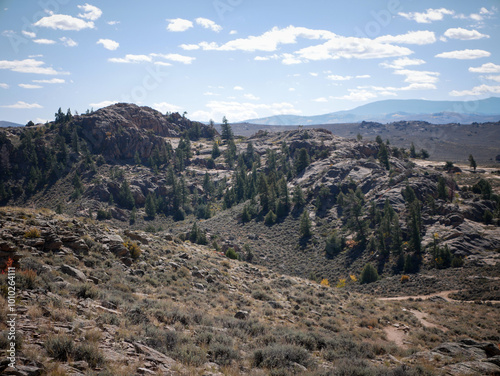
pixel 9 124
pixel 387 111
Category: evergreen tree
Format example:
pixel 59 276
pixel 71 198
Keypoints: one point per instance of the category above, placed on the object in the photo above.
pixel 298 196
pixel 305 225
pixel 472 162
pixel 369 274
pixel 413 153
pixel 301 161
pixel 352 203
pixel 441 189
pixel 383 156
pixel 227 132
pixel 125 197
pixel 215 149
pixel 150 206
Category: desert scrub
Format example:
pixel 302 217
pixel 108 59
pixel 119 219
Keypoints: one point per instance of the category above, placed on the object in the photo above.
pixel 32 233
pixel 134 249
pixel 86 290
pixel 26 279
pixel 190 355
pixel 90 353
pixel 281 356
pixel 59 346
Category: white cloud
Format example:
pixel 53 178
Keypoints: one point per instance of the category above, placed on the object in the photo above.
pixel 314 74
pixel 108 44
pixel 129 58
pixel 320 100
pixel 477 90
pixel 30 86
pixel 28 66
pixel 64 22
pixel 238 111
pixel 291 89
pixel 233 32
pixel 335 77
pixel 176 57
pixel 486 68
pixel 210 94
pixel 363 76
pixel 23 105
pixel 413 76
pixel 68 42
pixel 358 95
pixel 402 62
pixel 90 12
pixel 464 54
pixel 178 24
pixel 44 41
pixel 208 24
pixel 162 63
pixel 350 47
pixel 429 15
pixel 412 37
pixel 166 107
pixel 289 59
pixel 112 23
pixel 3 85
pixel 492 78
pixel 29 34
pixel 251 97
pixel 238 88
pixel 270 40
pixel 51 81
pixel 102 104
pixel 464 34
pixel 189 47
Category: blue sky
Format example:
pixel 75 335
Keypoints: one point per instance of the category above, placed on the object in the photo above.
pixel 243 59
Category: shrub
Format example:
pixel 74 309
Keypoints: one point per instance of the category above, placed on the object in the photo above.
pixel 487 217
pixel 190 355
pixel 270 218
pixel 222 354
pixel 404 278
pixel 369 274
pixel 103 214
pixel 32 233
pixel 90 353
pixel 457 262
pixel 134 249
pixel 86 290
pixel 26 279
pixel 232 254
pixel 280 356
pixel 59 347
pixel 334 245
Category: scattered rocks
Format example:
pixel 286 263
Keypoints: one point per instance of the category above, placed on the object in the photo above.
pixel 242 315
pixel 74 272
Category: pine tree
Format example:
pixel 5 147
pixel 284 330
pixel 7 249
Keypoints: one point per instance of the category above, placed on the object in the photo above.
pixel 215 149
pixel 301 161
pixel 150 206
pixel 305 225
pixel 298 196
pixel 472 162
pixel 413 153
pixel 227 132
pixel 383 156
pixel 369 274
pixel 125 197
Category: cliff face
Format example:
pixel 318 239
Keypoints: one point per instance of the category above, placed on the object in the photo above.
pixel 121 130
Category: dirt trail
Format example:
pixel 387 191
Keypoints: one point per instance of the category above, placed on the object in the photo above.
pixel 442 294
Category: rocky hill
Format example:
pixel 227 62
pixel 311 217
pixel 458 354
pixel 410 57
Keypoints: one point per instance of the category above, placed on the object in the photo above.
pixel 165 212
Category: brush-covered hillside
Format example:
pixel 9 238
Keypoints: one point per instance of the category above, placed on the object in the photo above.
pixel 302 202
pixel 150 244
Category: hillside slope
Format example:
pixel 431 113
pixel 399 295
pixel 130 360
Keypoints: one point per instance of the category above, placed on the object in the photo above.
pixel 96 299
